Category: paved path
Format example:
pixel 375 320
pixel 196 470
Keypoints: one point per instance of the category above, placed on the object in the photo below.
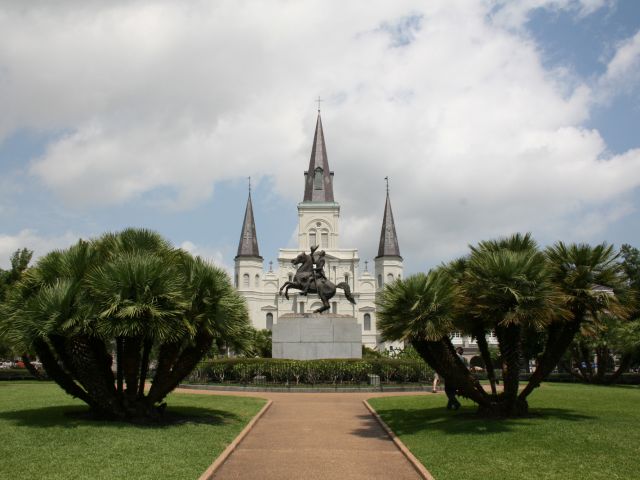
pixel 315 436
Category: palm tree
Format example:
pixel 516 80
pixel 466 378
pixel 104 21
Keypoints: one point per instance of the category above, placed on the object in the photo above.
pixel 508 288
pixel 504 285
pixel 579 271
pixel 131 289
pixel 421 309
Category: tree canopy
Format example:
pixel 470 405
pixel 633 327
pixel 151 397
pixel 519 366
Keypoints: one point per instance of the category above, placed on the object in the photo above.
pixel 129 293
pixel 530 298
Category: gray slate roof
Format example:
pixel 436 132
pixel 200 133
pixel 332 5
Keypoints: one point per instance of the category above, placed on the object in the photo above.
pixel 388 246
pixel 248 246
pixel 320 190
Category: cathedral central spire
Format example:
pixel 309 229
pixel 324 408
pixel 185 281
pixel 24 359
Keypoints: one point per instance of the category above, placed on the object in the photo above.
pixel 318 186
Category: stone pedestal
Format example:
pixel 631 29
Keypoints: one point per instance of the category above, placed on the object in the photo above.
pixel 310 336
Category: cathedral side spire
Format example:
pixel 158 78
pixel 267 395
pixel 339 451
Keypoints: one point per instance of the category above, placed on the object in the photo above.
pixel 248 246
pixel 318 185
pixel 388 246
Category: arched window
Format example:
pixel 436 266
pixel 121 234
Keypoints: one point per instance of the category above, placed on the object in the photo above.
pixel 245 280
pixel 269 321
pixel 317 179
pixel 324 240
pixel 379 281
pixel 367 322
pixel 312 238
pixel 389 277
pixel 257 280
pixel 346 277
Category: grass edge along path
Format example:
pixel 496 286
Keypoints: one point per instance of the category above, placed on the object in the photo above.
pixel 575 432
pixel 45 438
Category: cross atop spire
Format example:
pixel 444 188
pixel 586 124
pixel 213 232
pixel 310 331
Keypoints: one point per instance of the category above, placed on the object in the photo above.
pixel 318 186
pixel 388 246
pixel 319 100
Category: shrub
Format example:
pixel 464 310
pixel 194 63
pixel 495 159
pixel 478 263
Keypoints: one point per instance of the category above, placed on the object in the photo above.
pixel 313 372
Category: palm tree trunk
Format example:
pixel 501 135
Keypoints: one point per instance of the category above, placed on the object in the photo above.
pixel 58 374
pixel 568 368
pixel 184 364
pixel 131 366
pixel 145 366
pixel 30 368
pixel 119 357
pixel 602 356
pixel 585 353
pixel 483 346
pixel 625 363
pixel 560 337
pixel 510 341
pixel 92 368
pixel 167 357
pixel 442 357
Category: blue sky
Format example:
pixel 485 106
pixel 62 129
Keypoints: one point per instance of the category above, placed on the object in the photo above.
pixel 489 117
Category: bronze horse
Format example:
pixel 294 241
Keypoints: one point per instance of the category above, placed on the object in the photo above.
pixel 324 288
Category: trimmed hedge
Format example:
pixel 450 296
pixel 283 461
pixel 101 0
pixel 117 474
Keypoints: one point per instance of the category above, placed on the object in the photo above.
pixel 15 374
pixel 310 372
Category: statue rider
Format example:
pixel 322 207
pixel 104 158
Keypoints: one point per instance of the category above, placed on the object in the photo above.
pixel 318 269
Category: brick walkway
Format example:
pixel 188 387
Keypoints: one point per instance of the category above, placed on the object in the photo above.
pixel 315 436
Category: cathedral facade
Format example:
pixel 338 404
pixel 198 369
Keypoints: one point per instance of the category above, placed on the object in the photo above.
pixel 318 224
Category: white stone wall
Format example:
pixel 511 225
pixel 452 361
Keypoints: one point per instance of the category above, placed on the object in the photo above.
pixel 342 264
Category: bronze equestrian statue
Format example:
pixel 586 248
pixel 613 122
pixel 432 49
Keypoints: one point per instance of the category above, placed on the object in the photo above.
pixel 310 278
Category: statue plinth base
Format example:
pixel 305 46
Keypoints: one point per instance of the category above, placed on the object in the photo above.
pixel 311 336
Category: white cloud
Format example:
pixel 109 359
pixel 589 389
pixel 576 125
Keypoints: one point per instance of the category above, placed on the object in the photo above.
pixel 623 70
pixel 210 254
pixel 477 136
pixel 515 13
pixel 32 240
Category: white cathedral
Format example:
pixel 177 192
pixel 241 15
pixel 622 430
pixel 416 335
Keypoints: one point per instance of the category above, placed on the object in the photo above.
pixel 318 224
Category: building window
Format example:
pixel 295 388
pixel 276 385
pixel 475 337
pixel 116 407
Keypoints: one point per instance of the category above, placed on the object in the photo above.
pixel 334 307
pixel 346 278
pixel 291 277
pixel 317 179
pixel 379 281
pixel 389 277
pixel 257 281
pixel 269 321
pixel 367 322
pixel 324 240
pixel 301 307
pixel 312 238
pixel 245 280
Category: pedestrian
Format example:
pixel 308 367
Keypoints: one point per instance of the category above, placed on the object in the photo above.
pixel 436 381
pixel 450 391
pixel 450 387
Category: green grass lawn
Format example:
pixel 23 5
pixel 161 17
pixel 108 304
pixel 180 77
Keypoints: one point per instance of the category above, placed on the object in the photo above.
pixel 39 439
pixel 575 432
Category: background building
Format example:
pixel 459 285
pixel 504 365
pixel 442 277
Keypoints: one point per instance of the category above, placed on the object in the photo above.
pixel 318 224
